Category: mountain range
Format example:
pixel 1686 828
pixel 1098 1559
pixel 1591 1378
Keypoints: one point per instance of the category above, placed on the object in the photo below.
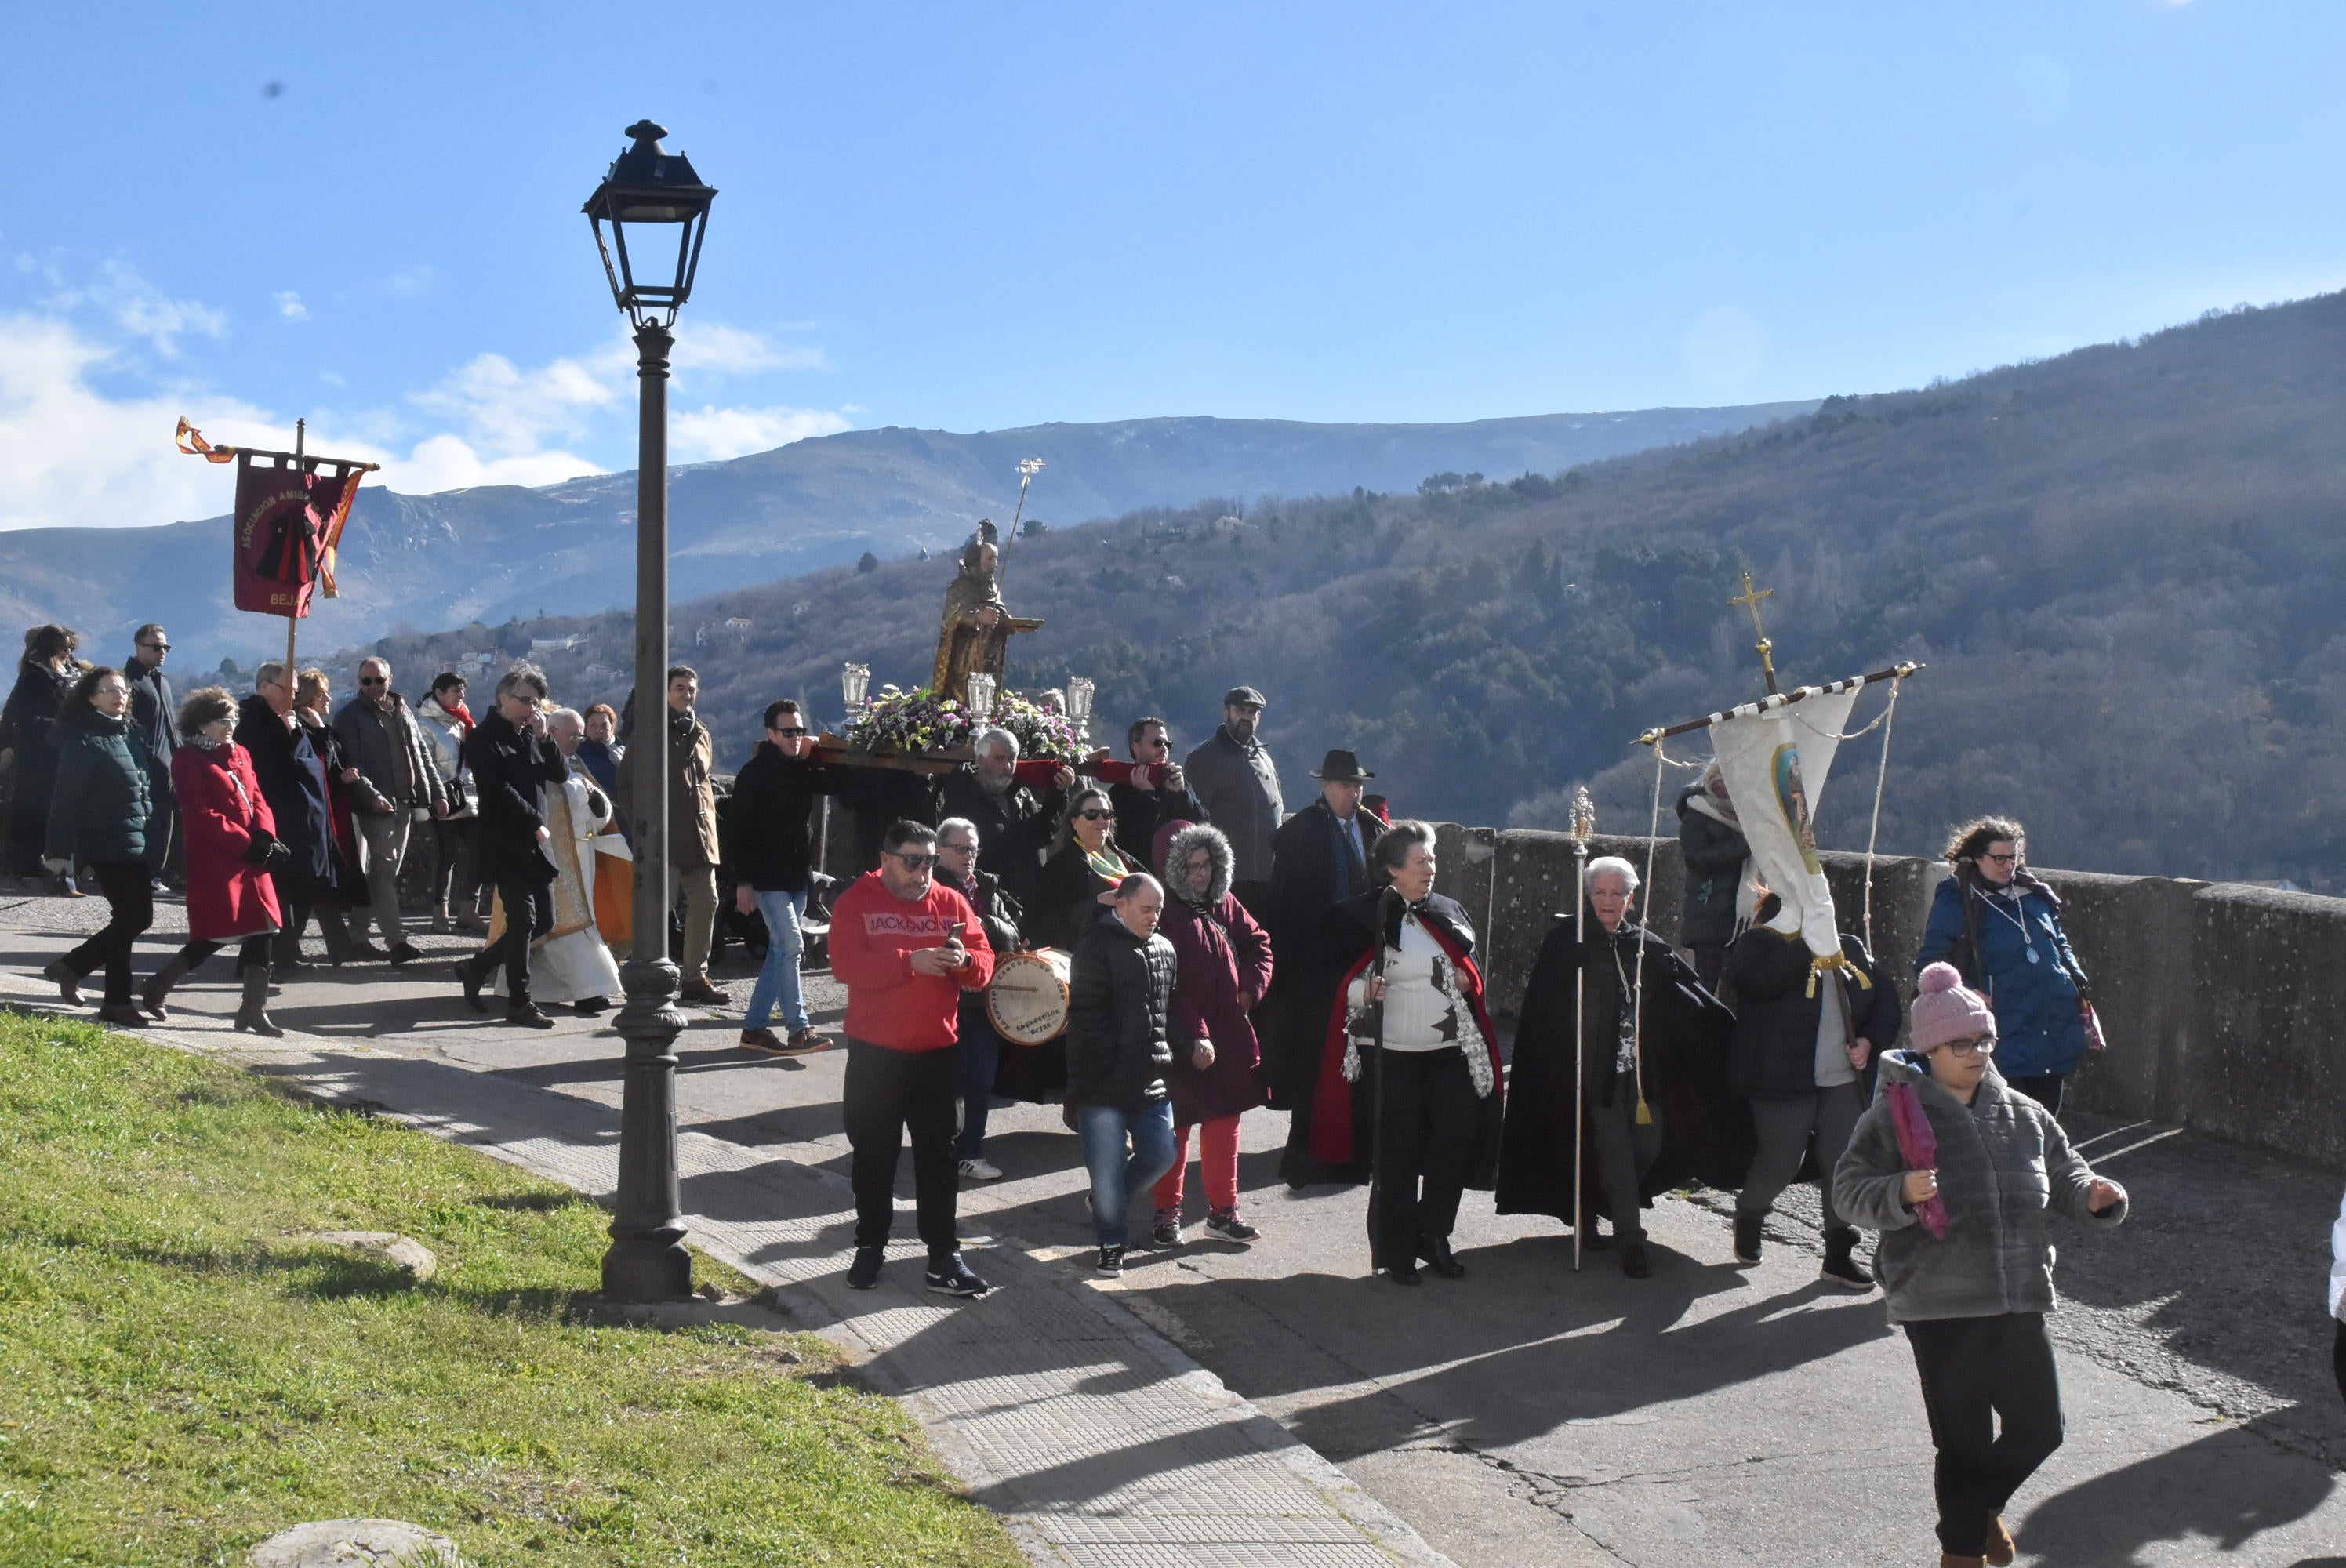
pixel 2122 566
pixel 496 552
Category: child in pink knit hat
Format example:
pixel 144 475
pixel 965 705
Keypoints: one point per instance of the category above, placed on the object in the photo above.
pixel 1960 1173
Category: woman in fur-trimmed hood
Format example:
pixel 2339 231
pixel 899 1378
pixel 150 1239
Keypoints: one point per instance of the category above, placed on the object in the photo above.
pixel 1217 1076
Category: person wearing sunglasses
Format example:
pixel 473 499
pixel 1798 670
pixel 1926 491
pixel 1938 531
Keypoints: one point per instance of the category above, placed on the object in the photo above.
pixel 1147 800
pixel 1083 872
pixel 2001 928
pixel 906 946
pixel 155 715
pixel 1959 1174
pixel 382 739
pixel 769 852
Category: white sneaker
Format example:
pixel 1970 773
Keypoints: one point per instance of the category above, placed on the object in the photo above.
pixel 980 1170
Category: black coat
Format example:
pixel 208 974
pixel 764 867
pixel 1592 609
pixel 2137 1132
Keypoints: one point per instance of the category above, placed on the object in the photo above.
pixel 1140 813
pixel 1119 1001
pixel 1066 897
pixel 511 768
pixel 1714 855
pixel 1346 935
pixel 1303 870
pixel 293 782
pixel 1682 1030
pixel 155 714
pixel 1773 1047
pixel 1013 828
pixel 764 823
pixel 25 725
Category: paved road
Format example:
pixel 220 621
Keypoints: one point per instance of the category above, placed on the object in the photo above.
pixel 1709 1415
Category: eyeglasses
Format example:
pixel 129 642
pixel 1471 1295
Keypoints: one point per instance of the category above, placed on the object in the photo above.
pixel 915 862
pixel 2001 860
pixel 791 734
pixel 1154 742
pixel 1096 815
pixel 374 680
pixel 969 849
pixel 159 647
pixel 1982 1046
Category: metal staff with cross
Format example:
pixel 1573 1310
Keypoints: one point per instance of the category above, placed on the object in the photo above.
pixel 1751 600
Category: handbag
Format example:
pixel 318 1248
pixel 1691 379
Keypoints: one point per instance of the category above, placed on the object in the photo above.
pixel 2093 1022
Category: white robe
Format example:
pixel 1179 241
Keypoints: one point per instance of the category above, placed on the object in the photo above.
pixel 571 964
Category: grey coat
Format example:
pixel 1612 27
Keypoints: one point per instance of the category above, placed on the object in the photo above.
pixel 2003 1164
pixel 368 736
pixel 1239 787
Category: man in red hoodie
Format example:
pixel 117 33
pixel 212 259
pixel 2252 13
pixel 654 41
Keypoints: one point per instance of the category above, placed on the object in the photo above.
pixel 906 947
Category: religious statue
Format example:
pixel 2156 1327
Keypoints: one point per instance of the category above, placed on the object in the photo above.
pixel 975 631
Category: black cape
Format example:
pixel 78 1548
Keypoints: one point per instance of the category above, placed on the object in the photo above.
pixel 1683 1052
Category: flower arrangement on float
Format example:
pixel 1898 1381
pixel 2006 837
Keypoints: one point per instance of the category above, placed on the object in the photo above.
pixel 919 721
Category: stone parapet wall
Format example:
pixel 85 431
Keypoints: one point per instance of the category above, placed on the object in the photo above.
pixel 2224 1005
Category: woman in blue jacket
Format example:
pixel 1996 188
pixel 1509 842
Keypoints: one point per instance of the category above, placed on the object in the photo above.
pixel 2001 928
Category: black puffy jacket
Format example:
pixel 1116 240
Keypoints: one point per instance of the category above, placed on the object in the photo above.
pixel 1120 998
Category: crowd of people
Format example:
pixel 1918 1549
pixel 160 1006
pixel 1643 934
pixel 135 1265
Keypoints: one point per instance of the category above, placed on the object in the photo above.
pixel 1221 955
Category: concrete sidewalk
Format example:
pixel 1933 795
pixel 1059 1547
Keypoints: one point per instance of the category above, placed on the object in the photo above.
pixel 1525 1416
pixel 1098 1442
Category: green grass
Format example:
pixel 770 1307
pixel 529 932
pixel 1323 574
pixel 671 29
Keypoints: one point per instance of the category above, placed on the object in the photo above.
pixel 181 1377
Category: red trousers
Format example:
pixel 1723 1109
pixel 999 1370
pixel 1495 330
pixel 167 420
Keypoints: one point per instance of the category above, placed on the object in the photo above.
pixel 1217 1154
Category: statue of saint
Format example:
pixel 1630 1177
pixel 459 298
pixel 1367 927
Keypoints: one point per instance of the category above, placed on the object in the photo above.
pixel 976 628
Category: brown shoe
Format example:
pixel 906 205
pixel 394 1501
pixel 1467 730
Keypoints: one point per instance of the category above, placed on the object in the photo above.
pixel 764 1041
pixel 806 1043
pixel 2001 1547
pixel 701 993
pixel 69 983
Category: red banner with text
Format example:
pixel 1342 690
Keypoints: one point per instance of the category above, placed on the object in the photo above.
pixel 288 524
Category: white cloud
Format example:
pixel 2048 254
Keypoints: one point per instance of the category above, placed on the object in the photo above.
pixel 449 463
pixel 712 434
pixel 134 305
pixel 289 306
pixel 511 412
pixel 731 351
pixel 79 458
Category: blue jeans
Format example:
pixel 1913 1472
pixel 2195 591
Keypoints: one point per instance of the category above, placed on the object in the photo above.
pixel 981 1054
pixel 1115 1176
pixel 777 982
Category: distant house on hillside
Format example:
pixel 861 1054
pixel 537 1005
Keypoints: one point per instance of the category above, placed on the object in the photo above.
pixel 735 627
pixel 600 677
pixel 555 645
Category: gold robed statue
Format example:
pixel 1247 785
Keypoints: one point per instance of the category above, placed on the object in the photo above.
pixel 973 636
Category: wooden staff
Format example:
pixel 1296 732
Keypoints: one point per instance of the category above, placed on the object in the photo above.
pixel 1583 823
pixel 1377 1089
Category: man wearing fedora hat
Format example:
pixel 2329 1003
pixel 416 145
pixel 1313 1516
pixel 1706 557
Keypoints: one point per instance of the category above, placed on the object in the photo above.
pixel 1319 857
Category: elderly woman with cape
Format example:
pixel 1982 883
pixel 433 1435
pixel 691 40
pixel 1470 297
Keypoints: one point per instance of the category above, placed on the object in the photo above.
pixel 1409 1085
pixel 1656 1108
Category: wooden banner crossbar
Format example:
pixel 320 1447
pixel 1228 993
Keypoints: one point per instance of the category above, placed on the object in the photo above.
pixel 1778 700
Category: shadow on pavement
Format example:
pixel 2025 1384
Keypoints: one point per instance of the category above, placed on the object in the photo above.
pixel 2228 1488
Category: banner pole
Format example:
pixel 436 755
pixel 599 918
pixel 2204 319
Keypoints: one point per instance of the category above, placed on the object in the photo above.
pixel 292 621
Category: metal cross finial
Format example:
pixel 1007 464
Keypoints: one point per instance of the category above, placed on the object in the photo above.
pixel 1749 600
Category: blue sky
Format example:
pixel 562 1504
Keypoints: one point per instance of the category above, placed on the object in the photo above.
pixel 986 215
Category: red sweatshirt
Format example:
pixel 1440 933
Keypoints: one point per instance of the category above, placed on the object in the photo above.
pixel 873 935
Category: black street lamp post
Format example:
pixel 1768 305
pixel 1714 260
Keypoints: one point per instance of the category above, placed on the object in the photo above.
pixel 649 194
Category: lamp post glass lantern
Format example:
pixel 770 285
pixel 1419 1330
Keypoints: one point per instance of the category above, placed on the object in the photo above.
pixel 649 196
pixel 1079 707
pixel 854 681
pixel 980 694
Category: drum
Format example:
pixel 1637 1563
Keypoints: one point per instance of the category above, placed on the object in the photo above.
pixel 1027 999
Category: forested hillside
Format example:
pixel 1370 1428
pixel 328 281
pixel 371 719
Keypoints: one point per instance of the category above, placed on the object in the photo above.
pixel 2123 566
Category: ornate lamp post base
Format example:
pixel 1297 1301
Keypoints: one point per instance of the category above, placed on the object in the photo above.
pixel 647 1260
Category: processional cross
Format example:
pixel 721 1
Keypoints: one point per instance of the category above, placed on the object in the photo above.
pixel 1750 599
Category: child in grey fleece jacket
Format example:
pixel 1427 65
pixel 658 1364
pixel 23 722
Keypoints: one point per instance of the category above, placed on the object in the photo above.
pixel 1958 1172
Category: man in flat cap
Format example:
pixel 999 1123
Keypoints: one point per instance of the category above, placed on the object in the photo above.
pixel 1237 783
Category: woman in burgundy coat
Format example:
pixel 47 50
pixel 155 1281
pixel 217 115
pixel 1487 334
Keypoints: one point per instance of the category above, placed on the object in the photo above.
pixel 1217 1076
pixel 231 845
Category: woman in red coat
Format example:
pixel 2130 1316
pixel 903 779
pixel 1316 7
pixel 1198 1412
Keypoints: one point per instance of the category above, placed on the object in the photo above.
pixel 1217 1076
pixel 231 845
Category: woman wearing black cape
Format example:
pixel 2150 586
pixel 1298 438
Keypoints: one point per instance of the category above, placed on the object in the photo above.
pixel 1667 1056
pixel 1409 1085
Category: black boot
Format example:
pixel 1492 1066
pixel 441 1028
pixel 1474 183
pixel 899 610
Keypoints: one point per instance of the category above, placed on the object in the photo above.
pixel 1435 1250
pixel 1840 1267
pixel 252 1017
pixel 158 984
pixel 1746 1235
